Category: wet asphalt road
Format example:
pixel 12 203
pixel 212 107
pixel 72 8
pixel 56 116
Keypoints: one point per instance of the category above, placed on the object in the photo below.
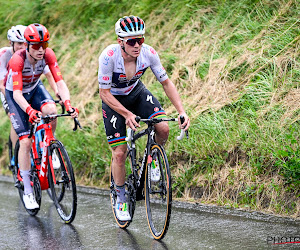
pixel 192 226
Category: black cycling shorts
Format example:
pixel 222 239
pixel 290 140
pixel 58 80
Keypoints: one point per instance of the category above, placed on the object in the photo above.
pixel 140 102
pixel 38 97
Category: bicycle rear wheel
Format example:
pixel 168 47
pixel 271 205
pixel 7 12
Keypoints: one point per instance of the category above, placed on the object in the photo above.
pixel 130 192
pixel 35 182
pixel 62 182
pixel 158 194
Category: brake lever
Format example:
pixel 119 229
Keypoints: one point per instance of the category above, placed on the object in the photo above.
pixel 76 124
pixel 186 132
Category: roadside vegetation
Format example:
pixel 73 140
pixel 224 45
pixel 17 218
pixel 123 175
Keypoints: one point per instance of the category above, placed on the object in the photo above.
pixel 236 65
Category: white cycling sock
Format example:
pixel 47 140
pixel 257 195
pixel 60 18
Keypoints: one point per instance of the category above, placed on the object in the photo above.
pixel 26 180
pixel 120 193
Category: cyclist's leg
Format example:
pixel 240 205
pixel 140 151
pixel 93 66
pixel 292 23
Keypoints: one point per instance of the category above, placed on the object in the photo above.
pixel 13 136
pixel 118 164
pixel 42 100
pixel 19 120
pixel 115 129
pixel 116 132
pixel 25 163
pixel 149 107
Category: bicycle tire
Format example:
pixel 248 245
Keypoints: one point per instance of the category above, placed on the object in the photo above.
pixel 37 191
pixel 63 187
pixel 158 194
pixel 130 191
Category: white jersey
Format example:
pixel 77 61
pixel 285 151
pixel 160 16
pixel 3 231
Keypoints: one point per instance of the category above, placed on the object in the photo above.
pixel 112 75
pixel 5 55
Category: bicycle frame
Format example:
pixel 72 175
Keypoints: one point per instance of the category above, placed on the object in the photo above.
pixel 149 131
pixel 41 162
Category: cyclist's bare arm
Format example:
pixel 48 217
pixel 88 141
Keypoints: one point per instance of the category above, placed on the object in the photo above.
pixel 174 97
pixel 113 103
pixel 63 90
pixel 52 83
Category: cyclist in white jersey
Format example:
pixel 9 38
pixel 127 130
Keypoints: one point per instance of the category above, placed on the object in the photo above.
pixel 124 96
pixel 15 35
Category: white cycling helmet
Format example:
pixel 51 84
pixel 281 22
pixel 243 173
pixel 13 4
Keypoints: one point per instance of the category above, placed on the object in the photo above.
pixel 16 33
pixel 130 26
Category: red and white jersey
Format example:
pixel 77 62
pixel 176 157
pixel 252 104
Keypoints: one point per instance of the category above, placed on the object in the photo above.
pixel 22 75
pixel 112 75
pixel 5 55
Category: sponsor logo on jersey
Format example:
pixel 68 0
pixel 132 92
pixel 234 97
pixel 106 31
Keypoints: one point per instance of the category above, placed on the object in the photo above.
pixel 104 113
pixel 113 121
pixel 106 60
pixel 105 78
pixel 149 99
pixel 160 70
pixel 15 83
pixel 156 109
pixel 110 52
pixel 117 134
pixel 122 78
pixel 59 73
pixel 152 51
pixel 164 74
pixel 139 74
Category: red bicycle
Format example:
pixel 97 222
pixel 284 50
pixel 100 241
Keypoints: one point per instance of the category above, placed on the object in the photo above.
pixel 52 171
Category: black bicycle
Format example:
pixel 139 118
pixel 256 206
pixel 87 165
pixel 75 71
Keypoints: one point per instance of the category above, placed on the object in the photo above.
pixel 140 185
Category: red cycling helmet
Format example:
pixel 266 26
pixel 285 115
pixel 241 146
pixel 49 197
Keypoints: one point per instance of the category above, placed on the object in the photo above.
pixel 36 33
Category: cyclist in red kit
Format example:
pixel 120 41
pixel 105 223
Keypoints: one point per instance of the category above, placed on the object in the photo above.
pixel 15 35
pixel 27 97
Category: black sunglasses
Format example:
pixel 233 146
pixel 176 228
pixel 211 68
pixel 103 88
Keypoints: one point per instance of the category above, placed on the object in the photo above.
pixel 133 41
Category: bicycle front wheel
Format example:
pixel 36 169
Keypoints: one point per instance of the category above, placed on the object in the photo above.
pixel 62 182
pixel 158 198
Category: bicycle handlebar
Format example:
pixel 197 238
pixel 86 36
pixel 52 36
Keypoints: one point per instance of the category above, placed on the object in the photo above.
pixel 62 106
pixel 48 118
pixel 155 121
